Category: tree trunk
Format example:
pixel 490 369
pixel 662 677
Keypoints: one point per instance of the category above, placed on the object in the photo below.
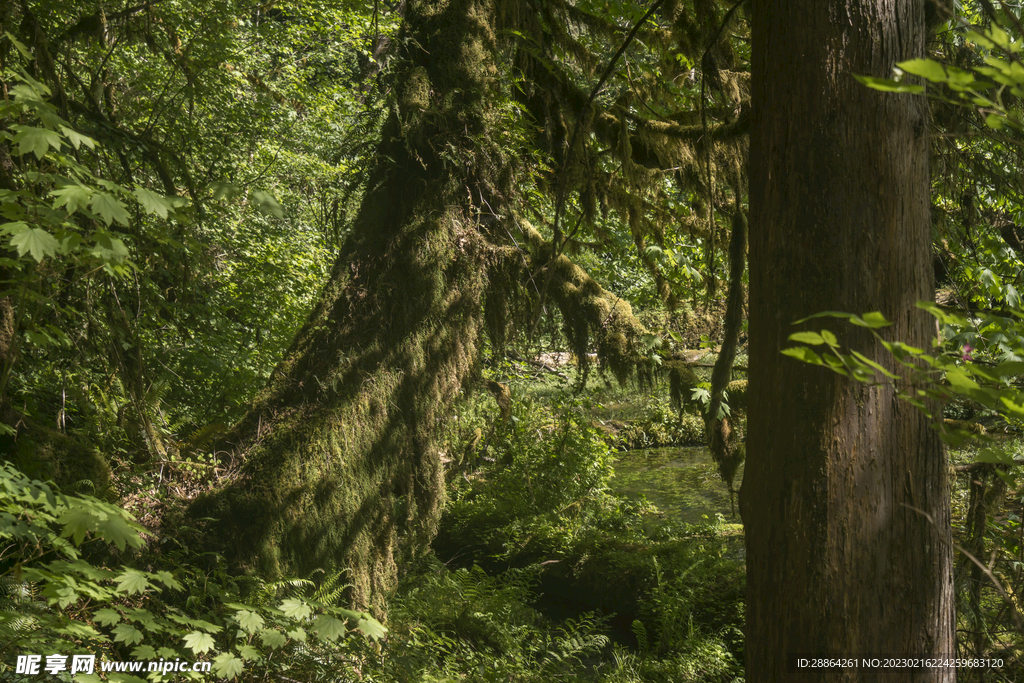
pixel 342 467
pixel 845 494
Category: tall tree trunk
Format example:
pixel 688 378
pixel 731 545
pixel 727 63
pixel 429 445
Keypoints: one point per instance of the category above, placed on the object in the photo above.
pixel 841 478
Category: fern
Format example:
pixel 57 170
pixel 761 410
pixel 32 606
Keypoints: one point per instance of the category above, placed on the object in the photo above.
pixel 330 591
pixel 640 631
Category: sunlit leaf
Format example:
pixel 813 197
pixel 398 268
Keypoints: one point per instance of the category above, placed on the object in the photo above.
pixel 888 85
pixel 199 642
pixel 71 197
pixel 926 68
pixel 126 633
pixel 109 207
pixel 132 581
pixel 250 621
pixel 812 338
pixel 295 608
pixel 802 353
pixel 273 638
pixel 328 627
pixel 35 242
pixel 226 665
pixel 34 140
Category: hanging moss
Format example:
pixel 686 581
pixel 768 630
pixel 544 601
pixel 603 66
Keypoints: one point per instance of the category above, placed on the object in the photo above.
pixel 341 464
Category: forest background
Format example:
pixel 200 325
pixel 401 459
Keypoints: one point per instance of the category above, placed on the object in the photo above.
pixel 279 281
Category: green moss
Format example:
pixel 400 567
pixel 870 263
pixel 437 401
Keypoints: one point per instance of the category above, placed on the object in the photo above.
pixel 47 454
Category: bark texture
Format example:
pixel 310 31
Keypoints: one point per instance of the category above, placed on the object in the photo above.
pixel 841 478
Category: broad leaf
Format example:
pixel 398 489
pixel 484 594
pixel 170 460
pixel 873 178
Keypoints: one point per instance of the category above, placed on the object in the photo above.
pixel 328 627
pixel 802 353
pixel 126 633
pixel 106 617
pixel 273 638
pixel 926 68
pixel 295 609
pixel 152 202
pixel 250 621
pixel 109 208
pixel 812 338
pixel 36 242
pixel 132 581
pixel 887 85
pixel 226 665
pixel 71 197
pixel 38 141
pixel 199 642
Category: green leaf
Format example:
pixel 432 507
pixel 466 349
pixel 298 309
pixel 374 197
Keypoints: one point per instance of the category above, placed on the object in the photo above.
pixel 126 633
pixel 106 617
pixel 942 316
pixel 199 642
pixel 152 202
pixel 370 627
pixel 20 47
pixel 995 455
pixel 226 665
pixel 295 608
pixel 77 139
pixel 959 379
pixel 829 338
pixel 36 242
pixel 887 85
pixel 167 579
pixel 872 320
pixel 72 197
pixel 144 652
pixel 867 361
pixel 38 141
pixel 132 581
pixel 222 190
pixel 328 627
pixel 109 208
pixel 1012 407
pixel 926 68
pixel 250 621
pixel 802 353
pixel 273 638
pixel 109 249
pixel 249 653
pixel 298 634
pixel 812 338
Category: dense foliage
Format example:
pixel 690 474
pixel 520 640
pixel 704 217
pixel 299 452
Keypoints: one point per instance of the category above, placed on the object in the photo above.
pixel 176 179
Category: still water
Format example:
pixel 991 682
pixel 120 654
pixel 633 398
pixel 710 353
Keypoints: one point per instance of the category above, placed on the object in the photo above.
pixel 682 481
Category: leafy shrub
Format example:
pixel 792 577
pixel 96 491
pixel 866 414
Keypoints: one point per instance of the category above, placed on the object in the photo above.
pixel 55 600
pixel 549 478
pixel 468 626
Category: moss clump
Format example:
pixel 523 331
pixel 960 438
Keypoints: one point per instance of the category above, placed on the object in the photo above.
pixel 47 454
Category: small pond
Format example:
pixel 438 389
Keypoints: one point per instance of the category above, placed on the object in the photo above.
pixel 682 481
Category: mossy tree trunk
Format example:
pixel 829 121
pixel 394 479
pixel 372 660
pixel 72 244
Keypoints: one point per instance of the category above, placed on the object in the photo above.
pixel 342 468
pixel 845 495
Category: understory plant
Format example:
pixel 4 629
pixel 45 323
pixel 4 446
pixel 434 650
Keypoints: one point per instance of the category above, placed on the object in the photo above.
pixel 64 591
